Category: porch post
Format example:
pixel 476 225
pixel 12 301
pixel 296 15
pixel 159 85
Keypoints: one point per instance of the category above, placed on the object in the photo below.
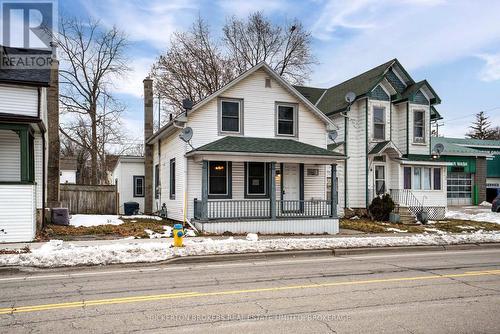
pixel 333 191
pixel 204 190
pixel 272 197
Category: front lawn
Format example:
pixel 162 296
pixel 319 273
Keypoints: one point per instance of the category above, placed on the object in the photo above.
pixel 130 228
pixel 449 226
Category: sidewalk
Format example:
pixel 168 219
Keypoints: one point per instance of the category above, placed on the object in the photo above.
pixel 57 253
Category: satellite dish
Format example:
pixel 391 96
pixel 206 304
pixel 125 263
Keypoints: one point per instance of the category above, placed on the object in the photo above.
pixel 350 97
pixel 439 148
pixel 186 134
pixel 187 104
pixel 332 135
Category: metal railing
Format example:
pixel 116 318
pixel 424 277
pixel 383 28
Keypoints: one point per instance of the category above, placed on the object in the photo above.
pixel 261 209
pixel 405 198
pixel 303 208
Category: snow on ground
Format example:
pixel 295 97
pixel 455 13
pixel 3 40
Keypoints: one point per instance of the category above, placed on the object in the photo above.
pixel 57 253
pixel 141 217
pixel 474 213
pixel 395 230
pixel 94 220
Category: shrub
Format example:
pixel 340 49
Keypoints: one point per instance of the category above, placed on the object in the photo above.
pixel 381 207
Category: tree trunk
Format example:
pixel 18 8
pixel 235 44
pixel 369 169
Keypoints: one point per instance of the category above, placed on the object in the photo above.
pixel 94 147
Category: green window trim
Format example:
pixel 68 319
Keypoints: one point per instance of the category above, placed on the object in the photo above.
pixel 27 147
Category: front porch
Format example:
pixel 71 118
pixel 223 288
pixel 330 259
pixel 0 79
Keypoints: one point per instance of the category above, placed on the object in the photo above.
pixel 266 193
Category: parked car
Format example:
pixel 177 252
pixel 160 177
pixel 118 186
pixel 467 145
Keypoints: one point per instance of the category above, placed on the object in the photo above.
pixel 495 205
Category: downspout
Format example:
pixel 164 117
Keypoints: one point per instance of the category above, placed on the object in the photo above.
pixel 346 127
pixel 185 182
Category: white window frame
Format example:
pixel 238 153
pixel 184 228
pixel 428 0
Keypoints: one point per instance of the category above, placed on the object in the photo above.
pixel 383 123
pixel 422 178
pixel 419 140
pixel 240 116
pixel 295 119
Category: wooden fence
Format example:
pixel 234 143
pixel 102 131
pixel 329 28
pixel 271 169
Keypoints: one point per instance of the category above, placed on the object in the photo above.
pixel 86 199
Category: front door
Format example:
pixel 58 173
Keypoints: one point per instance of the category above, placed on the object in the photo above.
pixel 291 187
pixel 380 184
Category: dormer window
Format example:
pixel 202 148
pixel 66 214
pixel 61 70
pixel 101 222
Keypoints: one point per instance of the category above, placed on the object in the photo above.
pixel 230 116
pixel 379 123
pixel 418 126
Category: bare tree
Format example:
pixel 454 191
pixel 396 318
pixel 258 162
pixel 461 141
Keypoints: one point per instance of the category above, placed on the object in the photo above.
pixel 197 65
pixel 193 67
pixel 91 56
pixel 286 48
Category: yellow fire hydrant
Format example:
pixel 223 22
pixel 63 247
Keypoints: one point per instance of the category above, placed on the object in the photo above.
pixel 178 234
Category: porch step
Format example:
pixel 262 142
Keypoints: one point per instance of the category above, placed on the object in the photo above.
pixel 406 217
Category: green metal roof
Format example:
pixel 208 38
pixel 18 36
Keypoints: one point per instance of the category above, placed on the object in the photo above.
pixel 458 146
pixel 264 145
pixel 379 147
pixel 311 93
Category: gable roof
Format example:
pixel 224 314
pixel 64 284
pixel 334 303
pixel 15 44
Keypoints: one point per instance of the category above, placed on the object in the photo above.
pixel 332 100
pixel 35 77
pixel 272 73
pixel 264 146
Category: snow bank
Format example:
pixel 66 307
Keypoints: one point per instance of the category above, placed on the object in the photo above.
pixel 395 230
pixel 94 220
pixel 484 215
pixel 57 253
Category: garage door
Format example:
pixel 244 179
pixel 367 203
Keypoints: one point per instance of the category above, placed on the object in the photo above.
pixel 460 187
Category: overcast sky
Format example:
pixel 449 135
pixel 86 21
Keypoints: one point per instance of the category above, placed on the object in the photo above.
pixel 454 44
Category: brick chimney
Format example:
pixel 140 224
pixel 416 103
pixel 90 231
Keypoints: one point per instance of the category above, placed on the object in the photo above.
pixel 53 199
pixel 148 149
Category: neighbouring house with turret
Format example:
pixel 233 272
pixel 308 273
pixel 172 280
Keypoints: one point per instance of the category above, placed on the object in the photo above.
pixel 385 135
pixel 24 101
pixel 251 157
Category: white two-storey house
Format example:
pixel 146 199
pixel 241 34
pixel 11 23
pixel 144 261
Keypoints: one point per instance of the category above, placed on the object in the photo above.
pixel 257 160
pixel 23 119
pixel 385 135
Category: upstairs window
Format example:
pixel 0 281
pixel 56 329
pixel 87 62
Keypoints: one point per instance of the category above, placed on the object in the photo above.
pixel 286 120
pixel 231 116
pixel 379 123
pixel 138 186
pixel 418 126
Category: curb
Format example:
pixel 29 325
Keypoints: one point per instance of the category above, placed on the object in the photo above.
pixel 327 252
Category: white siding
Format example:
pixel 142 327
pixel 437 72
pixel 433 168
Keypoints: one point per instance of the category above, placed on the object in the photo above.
pixel 429 197
pixel 17 212
pixel 19 100
pixel 174 147
pixel 356 169
pixel 258 113
pixel 294 226
pixel 399 126
pixel 10 156
pixel 124 173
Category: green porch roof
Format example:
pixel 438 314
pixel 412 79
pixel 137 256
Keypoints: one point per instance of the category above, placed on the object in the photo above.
pixel 264 146
pixel 379 147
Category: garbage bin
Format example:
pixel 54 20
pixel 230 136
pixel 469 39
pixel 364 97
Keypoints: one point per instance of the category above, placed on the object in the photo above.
pixel 131 208
pixel 60 216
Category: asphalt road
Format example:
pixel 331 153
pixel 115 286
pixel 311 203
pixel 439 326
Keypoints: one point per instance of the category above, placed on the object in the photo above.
pixel 426 292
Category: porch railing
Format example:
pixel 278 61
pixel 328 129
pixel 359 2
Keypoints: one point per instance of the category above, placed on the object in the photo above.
pixel 261 209
pixel 405 198
pixel 309 208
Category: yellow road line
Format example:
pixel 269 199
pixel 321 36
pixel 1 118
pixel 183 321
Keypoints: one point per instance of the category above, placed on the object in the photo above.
pixel 148 298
